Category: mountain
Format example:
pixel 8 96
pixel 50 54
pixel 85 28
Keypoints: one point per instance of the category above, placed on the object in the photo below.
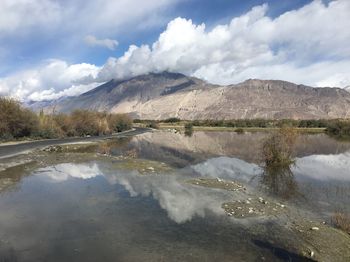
pixel 164 95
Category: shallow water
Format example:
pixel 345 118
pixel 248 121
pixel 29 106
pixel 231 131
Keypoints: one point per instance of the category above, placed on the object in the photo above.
pixel 139 207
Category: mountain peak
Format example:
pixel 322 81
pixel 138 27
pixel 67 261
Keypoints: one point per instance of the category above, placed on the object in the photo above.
pixel 165 94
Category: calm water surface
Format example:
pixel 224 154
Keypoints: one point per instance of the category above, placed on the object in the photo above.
pixel 117 210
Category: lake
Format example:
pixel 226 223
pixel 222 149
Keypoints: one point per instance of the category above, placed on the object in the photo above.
pixel 164 196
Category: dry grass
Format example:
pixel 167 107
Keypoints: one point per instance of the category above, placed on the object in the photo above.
pixel 341 221
pixel 17 122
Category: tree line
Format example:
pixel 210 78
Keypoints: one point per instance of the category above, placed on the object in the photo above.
pixel 17 122
pixel 243 123
pixel 335 127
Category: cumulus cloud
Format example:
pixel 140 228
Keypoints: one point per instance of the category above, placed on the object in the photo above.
pixel 108 43
pixel 308 45
pixel 52 80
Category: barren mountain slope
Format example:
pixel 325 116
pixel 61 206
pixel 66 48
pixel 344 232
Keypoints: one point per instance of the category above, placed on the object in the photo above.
pixel 164 95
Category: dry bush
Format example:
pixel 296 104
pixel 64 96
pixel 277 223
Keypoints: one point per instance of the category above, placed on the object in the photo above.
pixel 278 148
pixel 85 122
pixel 341 221
pixel 119 122
pixel 48 127
pixel 65 123
pixel 15 120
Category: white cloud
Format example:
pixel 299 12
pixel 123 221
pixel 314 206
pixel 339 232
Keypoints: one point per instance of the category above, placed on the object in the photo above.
pixel 108 43
pixel 309 46
pixel 63 172
pixel 80 17
pixel 19 15
pixel 50 81
pixel 324 167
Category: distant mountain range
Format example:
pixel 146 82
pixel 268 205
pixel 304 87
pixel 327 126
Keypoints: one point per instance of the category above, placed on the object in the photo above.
pixel 164 95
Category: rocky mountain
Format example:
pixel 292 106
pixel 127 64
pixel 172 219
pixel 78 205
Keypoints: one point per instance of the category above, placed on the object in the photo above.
pixel 164 95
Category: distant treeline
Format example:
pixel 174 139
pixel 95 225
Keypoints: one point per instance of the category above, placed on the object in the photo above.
pixel 335 127
pixel 263 123
pixel 339 129
pixel 17 122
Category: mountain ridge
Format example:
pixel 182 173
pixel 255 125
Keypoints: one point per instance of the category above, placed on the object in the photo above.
pixel 164 95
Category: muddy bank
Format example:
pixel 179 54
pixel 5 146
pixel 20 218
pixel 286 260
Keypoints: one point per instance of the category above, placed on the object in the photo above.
pixel 285 229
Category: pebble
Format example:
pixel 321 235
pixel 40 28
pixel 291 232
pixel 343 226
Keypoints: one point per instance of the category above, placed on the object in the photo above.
pixel 315 228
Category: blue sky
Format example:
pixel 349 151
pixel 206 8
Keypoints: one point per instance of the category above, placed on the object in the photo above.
pixel 30 48
pixel 50 49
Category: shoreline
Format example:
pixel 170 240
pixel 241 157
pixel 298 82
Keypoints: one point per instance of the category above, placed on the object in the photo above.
pixel 12 148
pixel 246 129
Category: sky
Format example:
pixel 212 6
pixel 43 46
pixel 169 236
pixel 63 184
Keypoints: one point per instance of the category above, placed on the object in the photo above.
pixel 55 48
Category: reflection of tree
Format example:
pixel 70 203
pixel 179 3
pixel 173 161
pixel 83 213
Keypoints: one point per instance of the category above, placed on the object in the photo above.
pixel 114 147
pixel 279 180
pixel 188 132
pixel 278 152
pixel 188 129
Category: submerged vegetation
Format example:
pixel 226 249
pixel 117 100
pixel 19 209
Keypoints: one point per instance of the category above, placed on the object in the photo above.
pixel 278 148
pixel 278 156
pixel 17 122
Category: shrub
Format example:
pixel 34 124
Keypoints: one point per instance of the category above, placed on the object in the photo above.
pixel 278 148
pixel 278 152
pixel 341 221
pixel 85 122
pixel 239 130
pixel 15 120
pixel 153 124
pixel 119 122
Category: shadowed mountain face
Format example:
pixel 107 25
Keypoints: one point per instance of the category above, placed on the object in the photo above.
pixel 164 95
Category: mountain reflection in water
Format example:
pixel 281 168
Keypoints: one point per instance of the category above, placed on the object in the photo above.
pixel 183 201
